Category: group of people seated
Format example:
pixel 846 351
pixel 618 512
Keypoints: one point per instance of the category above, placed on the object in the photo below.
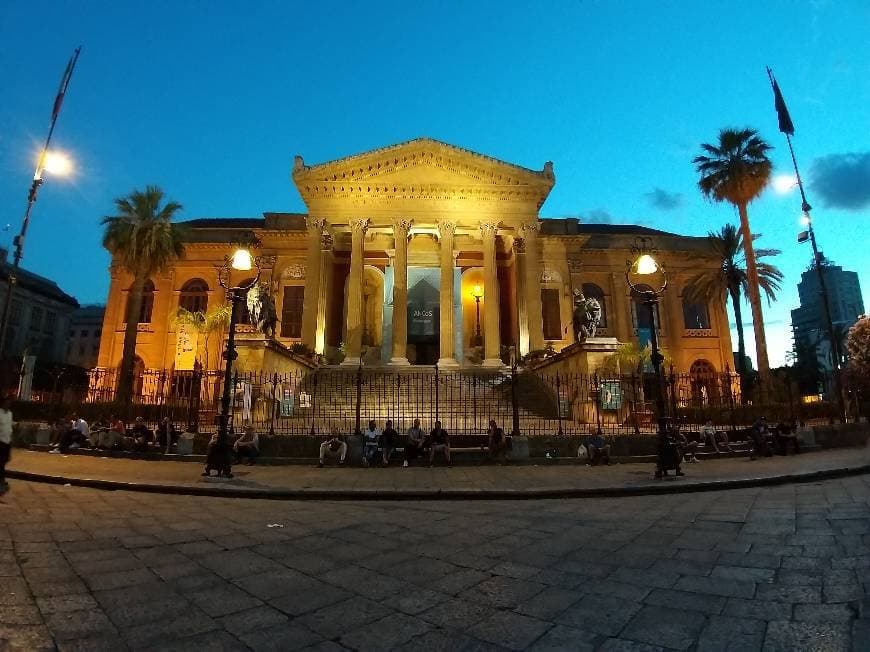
pixel 379 445
pixel 111 433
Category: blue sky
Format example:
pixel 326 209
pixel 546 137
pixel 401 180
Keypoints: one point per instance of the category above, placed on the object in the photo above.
pixel 211 100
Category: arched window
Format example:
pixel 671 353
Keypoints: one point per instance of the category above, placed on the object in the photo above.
pixel 695 315
pixel 704 383
pixel 592 291
pixel 194 296
pixel 147 306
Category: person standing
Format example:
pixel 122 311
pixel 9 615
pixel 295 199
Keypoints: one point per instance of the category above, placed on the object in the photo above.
pixel 5 442
pixel 414 445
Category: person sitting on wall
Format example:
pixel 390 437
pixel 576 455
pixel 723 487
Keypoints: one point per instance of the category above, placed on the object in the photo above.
pixel 72 437
pixel 167 435
pixel 688 448
pixel 388 441
pixel 785 435
pixel 371 437
pixel 142 435
pixel 495 441
pixel 440 443
pixel 760 434
pixel 415 445
pixel 111 437
pixel 247 446
pixel 599 450
pixel 712 437
pixel 333 447
pixel 101 426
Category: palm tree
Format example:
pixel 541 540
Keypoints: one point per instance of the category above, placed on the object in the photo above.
pixel 143 239
pixel 737 170
pixel 216 319
pixel 730 278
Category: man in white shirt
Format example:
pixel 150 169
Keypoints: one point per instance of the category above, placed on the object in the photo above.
pixel 5 442
pixel 372 436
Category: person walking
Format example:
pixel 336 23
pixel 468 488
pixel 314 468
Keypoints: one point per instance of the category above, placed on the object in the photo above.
pixel 5 442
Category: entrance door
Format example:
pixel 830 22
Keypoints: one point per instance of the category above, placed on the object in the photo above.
pixel 423 316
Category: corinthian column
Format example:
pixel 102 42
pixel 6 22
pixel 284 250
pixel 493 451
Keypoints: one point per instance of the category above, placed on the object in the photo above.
pixel 522 307
pixel 354 292
pixel 446 359
pixel 324 292
pixel 534 309
pixel 311 297
pixel 400 292
pixel 491 336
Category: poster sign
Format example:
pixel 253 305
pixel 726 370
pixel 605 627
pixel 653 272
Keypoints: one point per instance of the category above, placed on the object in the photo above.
pixel 610 397
pixel 285 407
pixel 185 347
pixel 421 322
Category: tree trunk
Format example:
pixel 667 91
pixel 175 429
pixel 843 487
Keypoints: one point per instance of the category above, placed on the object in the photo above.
pixel 125 374
pixel 754 296
pixel 741 343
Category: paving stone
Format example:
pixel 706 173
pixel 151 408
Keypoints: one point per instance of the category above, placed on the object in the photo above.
pixel 501 591
pixel 684 566
pixel 711 604
pixel 624 645
pixel 235 564
pixel 616 589
pixel 648 578
pixel 66 625
pixel 511 630
pixel 785 593
pixel 217 641
pixel 717 586
pixel 267 586
pixel 414 600
pixel 286 636
pixel 457 614
pixel 744 574
pixel 385 634
pixel 26 638
pixel 565 638
pixel 785 636
pixel 750 560
pixel 832 593
pixel 458 581
pixel 799 577
pixel 222 599
pixel 549 603
pixel 342 617
pixel 600 614
pixel 860 635
pixel 253 619
pixel 364 582
pixel 119 579
pixel 315 596
pixel 678 629
pixel 98 643
pixel 823 613
pixel 441 641
pixel 166 629
pixel 149 602
pixel 20 614
pixel 730 634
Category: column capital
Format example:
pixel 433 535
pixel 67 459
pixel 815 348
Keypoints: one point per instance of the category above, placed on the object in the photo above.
pixel 488 229
pixel 446 227
pixel 402 224
pixel 326 242
pixel 519 245
pixel 359 225
pixel 314 224
pixel 530 229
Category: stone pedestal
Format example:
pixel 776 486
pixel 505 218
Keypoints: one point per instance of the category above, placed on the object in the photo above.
pixel 258 353
pixel 588 356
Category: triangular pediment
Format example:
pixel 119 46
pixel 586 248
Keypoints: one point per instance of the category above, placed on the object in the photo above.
pixel 423 161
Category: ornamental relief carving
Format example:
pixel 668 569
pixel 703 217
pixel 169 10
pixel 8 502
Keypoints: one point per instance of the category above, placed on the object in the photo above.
pixel 359 225
pixel 446 228
pixel 294 271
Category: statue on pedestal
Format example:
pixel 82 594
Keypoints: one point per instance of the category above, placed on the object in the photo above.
pixel 261 309
pixel 587 316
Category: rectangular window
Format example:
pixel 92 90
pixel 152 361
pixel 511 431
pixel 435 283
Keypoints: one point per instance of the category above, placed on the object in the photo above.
pixel 291 311
pixel 50 323
pixel 84 333
pixel 695 316
pixel 35 318
pixel 552 318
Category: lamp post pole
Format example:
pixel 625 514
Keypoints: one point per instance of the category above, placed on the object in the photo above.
pixel 477 338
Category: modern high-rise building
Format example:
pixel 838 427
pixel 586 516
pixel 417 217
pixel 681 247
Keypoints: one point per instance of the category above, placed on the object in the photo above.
pixel 808 321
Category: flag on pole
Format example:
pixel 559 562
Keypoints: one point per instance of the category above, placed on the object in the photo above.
pixel 64 82
pixel 786 126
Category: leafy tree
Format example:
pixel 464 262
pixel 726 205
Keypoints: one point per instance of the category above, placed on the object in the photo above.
pixel 730 279
pixel 736 170
pixel 143 239
pixel 858 345
pixel 205 324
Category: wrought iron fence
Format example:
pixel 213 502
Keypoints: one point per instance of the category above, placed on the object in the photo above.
pixel 531 402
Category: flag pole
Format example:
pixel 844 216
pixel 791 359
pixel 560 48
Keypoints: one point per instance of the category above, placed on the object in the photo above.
pixel 18 242
pixel 786 126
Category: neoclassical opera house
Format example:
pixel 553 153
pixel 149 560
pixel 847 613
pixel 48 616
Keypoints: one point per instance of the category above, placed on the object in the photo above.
pixel 397 241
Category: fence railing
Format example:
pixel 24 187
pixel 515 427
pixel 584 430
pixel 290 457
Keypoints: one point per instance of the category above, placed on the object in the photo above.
pixel 537 404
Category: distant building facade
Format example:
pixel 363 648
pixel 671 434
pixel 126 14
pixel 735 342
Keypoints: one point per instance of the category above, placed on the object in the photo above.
pixel 384 264
pixel 39 315
pixel 808 320
pixel 85 331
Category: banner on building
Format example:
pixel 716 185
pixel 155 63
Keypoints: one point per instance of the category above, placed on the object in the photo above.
pixel 185 347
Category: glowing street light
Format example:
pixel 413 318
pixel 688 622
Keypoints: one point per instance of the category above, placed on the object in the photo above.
pixel 784 183
pixel 56 163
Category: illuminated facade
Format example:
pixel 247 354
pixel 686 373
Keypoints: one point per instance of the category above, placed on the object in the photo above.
pixel 383 265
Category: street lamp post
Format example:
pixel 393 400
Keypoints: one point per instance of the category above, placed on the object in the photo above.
pixel 477 293
pixel 220 453
pixel 647 278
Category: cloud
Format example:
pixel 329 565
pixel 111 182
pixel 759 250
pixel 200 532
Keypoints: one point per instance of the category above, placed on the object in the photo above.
pixel 842 180
pixel 664 200
pixel 598 216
